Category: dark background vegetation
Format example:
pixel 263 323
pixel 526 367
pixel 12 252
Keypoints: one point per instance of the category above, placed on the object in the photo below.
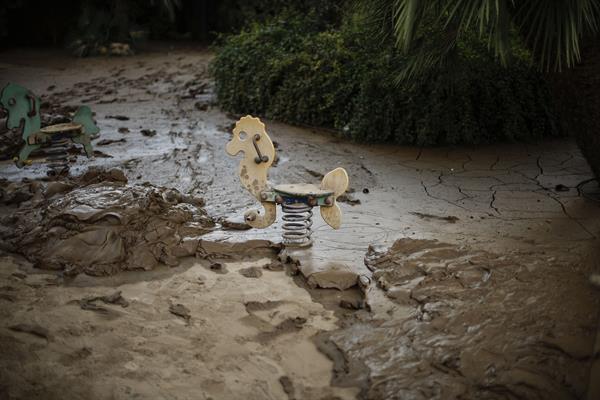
pixel 57 22
pixel 322 63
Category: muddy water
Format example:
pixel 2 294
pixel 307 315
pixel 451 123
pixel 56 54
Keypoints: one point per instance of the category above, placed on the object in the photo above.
pixel 513 201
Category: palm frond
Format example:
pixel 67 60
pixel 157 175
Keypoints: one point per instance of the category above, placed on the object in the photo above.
pixel 552 29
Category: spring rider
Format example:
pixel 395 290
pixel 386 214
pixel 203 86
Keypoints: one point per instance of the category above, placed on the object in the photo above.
pixel 23 109
pixel 296 200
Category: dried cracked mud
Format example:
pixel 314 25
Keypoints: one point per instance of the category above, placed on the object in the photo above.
pixel 458 272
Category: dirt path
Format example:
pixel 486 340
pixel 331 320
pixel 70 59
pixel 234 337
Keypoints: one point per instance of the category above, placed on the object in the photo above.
pixel 252 337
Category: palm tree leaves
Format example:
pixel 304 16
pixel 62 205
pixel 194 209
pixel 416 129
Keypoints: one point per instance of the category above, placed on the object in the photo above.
pixel 551 29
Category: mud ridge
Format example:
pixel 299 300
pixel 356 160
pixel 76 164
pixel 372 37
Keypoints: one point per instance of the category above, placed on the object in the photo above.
pixel 455 322
pixel 98 224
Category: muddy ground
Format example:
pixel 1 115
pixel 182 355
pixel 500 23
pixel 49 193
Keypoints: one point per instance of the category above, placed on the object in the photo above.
pixel 458 272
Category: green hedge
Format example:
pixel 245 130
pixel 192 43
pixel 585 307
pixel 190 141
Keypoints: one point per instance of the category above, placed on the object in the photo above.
pixel 293 71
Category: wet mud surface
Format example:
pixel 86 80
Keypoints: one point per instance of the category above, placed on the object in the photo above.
pixel 99 225
pixel 459 323
pixel 475 284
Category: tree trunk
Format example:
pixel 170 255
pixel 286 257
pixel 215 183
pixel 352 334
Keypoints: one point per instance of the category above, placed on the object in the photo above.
pixel 586 77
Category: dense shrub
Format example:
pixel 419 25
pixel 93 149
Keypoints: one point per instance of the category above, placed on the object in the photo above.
pixel 294 71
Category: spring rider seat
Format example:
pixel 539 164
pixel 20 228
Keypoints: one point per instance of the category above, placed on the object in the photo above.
pixel 296 200
pixel 23 109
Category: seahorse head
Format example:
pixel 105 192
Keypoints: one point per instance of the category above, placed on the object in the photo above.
pixel 249 135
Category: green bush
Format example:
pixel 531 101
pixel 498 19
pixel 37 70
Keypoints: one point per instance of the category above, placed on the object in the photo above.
pixel 294 71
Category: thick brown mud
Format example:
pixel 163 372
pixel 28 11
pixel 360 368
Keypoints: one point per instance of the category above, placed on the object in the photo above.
pixel 462 323
pixel 187 332
pixel 99 225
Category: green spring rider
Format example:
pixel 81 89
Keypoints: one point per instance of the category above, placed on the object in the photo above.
pixel 23 109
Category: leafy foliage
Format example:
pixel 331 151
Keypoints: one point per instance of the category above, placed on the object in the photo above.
pixel 551 29
pixel 555 31
pixel 294 71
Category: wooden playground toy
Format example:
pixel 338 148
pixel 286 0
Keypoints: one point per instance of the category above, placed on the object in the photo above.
pixel 296 200
pixel 23 109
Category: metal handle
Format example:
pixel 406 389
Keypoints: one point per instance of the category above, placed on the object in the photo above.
pixel 31 99
pixel 260 158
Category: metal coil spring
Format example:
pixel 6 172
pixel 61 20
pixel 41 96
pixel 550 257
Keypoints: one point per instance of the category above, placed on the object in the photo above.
pixel 57 155
pixel 297 225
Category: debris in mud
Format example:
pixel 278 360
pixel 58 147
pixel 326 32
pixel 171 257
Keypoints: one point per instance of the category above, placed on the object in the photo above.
pixel 561 188
pixel 274 265
pixel 53 111
pixel 118 117
pixel 181 311
pixel 98 153
pixel 226 128
pixel 251 272
pixel 7 297
pixel 218 268
pixel 288 387
pixel 234 224
pixel 10 142
pixel 201 106
pixel 286 326
pixel 148 132
pixel 193 89
pixel 461 323
pixel 98 175
pixel 253 306
pixel 348 199
pixel 14 193
pixel 106 142
pixel 449 218
pixel 354 304
pixel 89 303
pixel 100 225
pixel 123 130
pixel 57 187
pixel 292 269
pixel 32 329
pixel 314 174
pixel 285 261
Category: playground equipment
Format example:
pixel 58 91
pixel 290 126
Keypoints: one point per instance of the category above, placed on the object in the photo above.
pixel 296 200
pixel 23 109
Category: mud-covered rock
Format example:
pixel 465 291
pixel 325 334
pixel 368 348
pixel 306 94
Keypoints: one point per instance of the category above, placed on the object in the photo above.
pixel 10 141
pixel 464 323
pixel 99 225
